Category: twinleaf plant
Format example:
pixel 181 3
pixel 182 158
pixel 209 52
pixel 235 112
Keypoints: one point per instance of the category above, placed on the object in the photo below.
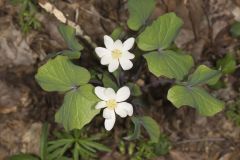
pixel 115 91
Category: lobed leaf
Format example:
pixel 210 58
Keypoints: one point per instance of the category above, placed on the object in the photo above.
pixel 160 34
pixel 202 75
pixel 227 64
pixel 71 54
pixel 139 11
pixel 78 108
pixel 195 97
pixel 60 74
pixel 68 34
pixel 169 64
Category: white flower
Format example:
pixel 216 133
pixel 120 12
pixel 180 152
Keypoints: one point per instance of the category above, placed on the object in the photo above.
pixel 113 102
pixel 116 53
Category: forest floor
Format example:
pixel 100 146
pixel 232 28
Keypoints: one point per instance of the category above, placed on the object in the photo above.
pixel 24 106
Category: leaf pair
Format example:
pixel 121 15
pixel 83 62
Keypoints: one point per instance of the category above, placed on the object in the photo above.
pixel 192 95
pixel 156 39
pixel 61 75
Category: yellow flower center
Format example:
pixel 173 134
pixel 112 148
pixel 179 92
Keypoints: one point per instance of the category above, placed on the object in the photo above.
pixel 111 104
pixel 116 54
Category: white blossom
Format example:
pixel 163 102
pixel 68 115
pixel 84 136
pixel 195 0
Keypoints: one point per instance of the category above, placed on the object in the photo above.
pixel 116 53
pixel 113 103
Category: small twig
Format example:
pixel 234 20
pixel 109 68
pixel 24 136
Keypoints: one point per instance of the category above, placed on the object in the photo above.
pixel 50 8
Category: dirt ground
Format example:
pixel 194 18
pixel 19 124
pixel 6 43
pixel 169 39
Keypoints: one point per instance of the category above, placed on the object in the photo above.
pixel 24 106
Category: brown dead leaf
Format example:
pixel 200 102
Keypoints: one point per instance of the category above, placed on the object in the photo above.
pixel 19 136
pixel 14 48
pixel 12 97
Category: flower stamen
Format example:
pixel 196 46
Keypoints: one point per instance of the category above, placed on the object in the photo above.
pixel 111 104
pixel 116 54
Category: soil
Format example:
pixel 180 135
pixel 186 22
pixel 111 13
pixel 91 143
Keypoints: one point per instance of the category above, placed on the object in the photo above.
pixel 24 106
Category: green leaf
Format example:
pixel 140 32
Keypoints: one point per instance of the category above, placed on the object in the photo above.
pixel 163 146
pixel 137 130
pixel 135 89
pixel 71 54
pixel 64 158
pixel 53 145
pixel 59 152
pixel 118 33
pixel 169 63
pixel 151 127
pixel 85 153
pixel 62 135
pixel 139 11
pixel 68 34
pixel 60 74
pixel 235 29
pixel 108 81
pixel 227 64
pixel 43 142
pixel 202 75
pixel 75 152
pixel 149 124
pixel 160 34
pixel 195 97
pixel 78 108
pixel 23 157
pixel 95 145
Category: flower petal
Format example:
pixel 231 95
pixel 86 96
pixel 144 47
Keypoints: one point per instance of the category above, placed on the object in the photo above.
pixel 106 59
pixel 121 112
pixel 99 91
pixel 108 41
pixel 109 123
pixel 127 107
pixel 118 44
pixel 126 64
pixel 127 55
pixel 110 93
pixel 102 51
pixel 110 118
pixel 108 113
pixel 123 94
pixel 100 105
pixel 113 66
pixel 128 44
